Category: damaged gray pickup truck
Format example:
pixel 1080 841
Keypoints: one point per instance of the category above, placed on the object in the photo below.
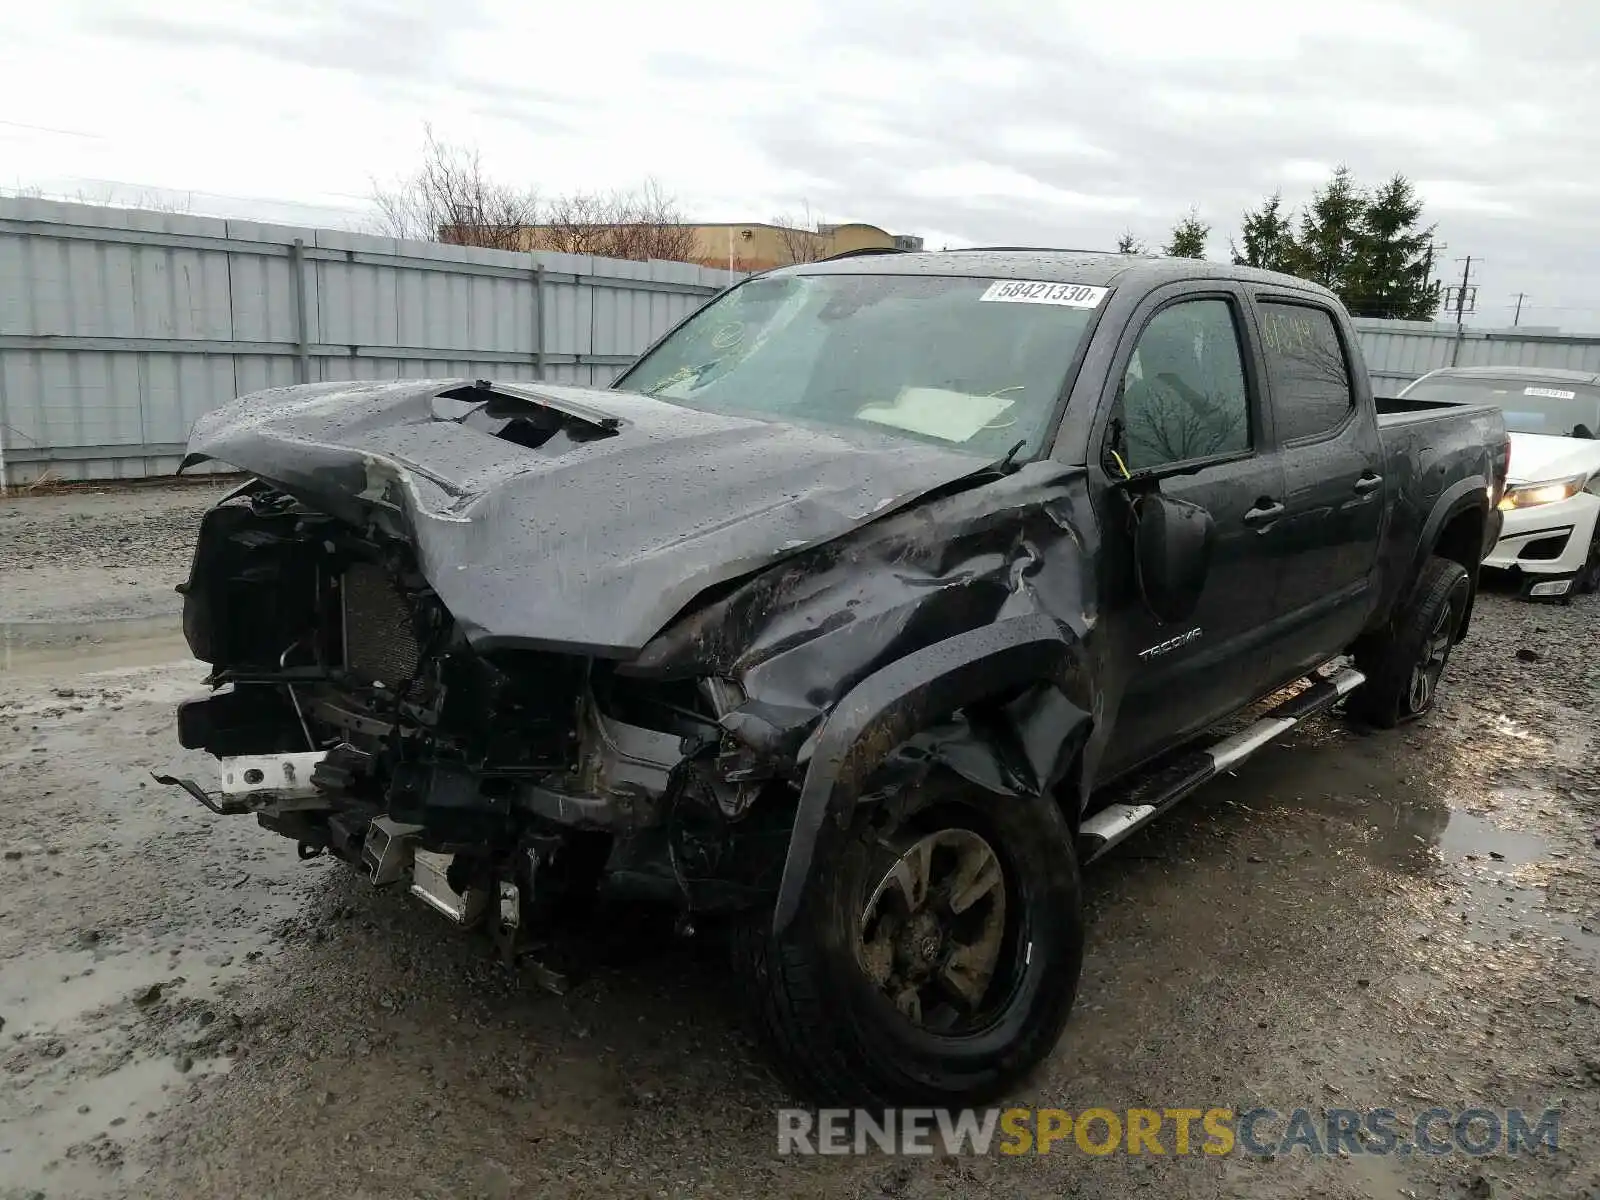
pixel 873 601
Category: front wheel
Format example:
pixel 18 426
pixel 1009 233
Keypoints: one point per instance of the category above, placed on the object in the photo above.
pixel 1403 668
pixel 1588 578
pixel 935 957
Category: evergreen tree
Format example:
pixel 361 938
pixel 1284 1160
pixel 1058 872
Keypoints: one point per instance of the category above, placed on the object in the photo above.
pixel 1268 235
pixel 1188 239
pixel 1392 275
pixel 1331 229
pixel 1128 244
pixel 1368 248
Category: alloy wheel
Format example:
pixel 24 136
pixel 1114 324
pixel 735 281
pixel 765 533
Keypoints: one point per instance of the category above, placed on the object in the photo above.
pixel 932 931
pixel 1431 662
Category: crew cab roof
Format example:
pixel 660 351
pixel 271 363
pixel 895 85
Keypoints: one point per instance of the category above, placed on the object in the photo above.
pixel 1097 269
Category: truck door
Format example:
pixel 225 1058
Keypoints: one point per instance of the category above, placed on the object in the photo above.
pixel 1188 406
pixel 1333 483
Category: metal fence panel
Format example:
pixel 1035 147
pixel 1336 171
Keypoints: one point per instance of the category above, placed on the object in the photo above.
pixel 119 328
pixel 1398 352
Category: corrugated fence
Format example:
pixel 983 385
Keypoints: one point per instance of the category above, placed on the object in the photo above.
pixel 118 328
pixel 1399 351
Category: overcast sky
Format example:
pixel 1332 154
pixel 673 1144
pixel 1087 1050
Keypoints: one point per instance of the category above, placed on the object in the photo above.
pixel 1010 121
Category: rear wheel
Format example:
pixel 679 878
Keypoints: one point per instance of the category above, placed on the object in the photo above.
pixel 1403 668
pixel 935 957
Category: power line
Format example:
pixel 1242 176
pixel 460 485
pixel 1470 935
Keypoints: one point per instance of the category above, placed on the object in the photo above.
pixel 99 137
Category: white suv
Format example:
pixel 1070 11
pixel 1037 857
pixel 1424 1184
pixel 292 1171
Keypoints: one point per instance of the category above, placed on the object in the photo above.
pixel 1552 499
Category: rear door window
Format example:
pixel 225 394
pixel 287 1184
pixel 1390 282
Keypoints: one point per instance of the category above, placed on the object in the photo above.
pixel 1306 369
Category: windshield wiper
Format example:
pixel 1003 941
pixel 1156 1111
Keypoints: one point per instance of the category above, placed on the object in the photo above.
pixel 1008 464
pixel 687 375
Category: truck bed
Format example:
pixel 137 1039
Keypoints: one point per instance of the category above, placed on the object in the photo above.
pixel 1428 444
pixel 1397 410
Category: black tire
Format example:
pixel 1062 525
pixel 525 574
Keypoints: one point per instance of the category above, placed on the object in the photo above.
pixel 1588 579
pixel 834 1031
pixel 1421 639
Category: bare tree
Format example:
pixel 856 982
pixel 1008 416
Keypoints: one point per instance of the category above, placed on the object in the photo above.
pixel 799 238
pixel 577 224
pixel 641 225
pixel 650 225
pixel 113 195
pixel 449 199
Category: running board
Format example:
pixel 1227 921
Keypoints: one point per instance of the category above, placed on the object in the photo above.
pixel 1157 793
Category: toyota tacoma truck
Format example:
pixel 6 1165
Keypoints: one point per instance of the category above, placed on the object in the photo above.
pixel 869 605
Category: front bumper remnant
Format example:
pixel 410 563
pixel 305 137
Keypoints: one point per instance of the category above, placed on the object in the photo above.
pixel 253 781
pixel 270 776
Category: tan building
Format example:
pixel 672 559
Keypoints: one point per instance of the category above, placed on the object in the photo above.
pixel 757 246
pixel 750 245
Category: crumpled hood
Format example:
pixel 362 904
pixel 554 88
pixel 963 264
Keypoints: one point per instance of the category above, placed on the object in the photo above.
pixel 1536 457
pixel 590 538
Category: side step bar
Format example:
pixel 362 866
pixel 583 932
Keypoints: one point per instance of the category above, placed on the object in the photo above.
pixel 1159 792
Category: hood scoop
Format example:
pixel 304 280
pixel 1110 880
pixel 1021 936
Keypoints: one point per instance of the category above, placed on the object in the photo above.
pixel 523 415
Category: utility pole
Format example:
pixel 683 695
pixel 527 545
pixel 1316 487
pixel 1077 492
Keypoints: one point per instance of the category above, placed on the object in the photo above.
pixel 1466 300
pixel 1428 259
pixel 1517 320
pixel 1461 292
pixel 1429 254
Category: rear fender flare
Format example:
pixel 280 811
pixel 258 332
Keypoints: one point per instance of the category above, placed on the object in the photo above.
pixel 1465 495
pixel 885 709
pixel 1459 497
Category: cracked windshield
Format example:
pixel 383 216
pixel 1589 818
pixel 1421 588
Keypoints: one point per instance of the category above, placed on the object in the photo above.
pixel 950 360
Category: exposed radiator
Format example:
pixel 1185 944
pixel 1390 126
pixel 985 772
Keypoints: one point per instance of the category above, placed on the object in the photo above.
pixel 380 639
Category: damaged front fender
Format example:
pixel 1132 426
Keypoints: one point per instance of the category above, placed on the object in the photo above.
pixel 1026 668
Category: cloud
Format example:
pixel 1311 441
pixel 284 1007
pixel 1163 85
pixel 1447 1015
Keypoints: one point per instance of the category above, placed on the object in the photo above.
pixel 374 38
pixel 1018 121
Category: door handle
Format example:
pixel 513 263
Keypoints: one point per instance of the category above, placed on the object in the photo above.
pixel 1369 482
pixel 1264 513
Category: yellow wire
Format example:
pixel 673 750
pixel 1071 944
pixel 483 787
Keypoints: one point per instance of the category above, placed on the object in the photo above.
pixel 1126 474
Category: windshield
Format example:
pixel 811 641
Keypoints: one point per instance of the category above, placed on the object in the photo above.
pixel 973 363
pixel 1554 408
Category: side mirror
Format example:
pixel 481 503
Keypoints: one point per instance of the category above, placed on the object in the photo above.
pixel 1171 554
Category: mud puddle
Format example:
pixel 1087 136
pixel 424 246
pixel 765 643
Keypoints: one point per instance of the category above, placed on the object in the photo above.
pixel 1509 878
pixel 104 1034
pixel 133 918
pixel 1504 883
pixel 75 1142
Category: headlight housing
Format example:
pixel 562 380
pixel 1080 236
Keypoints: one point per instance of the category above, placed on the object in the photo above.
pixel 1530 495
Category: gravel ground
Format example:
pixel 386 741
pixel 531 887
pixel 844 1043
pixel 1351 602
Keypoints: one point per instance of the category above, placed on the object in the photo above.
pixel 86 556
pixel 1354 919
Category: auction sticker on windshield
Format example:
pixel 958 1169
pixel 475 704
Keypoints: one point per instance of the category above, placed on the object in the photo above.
pixel 1553 393
pixel 1033 291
